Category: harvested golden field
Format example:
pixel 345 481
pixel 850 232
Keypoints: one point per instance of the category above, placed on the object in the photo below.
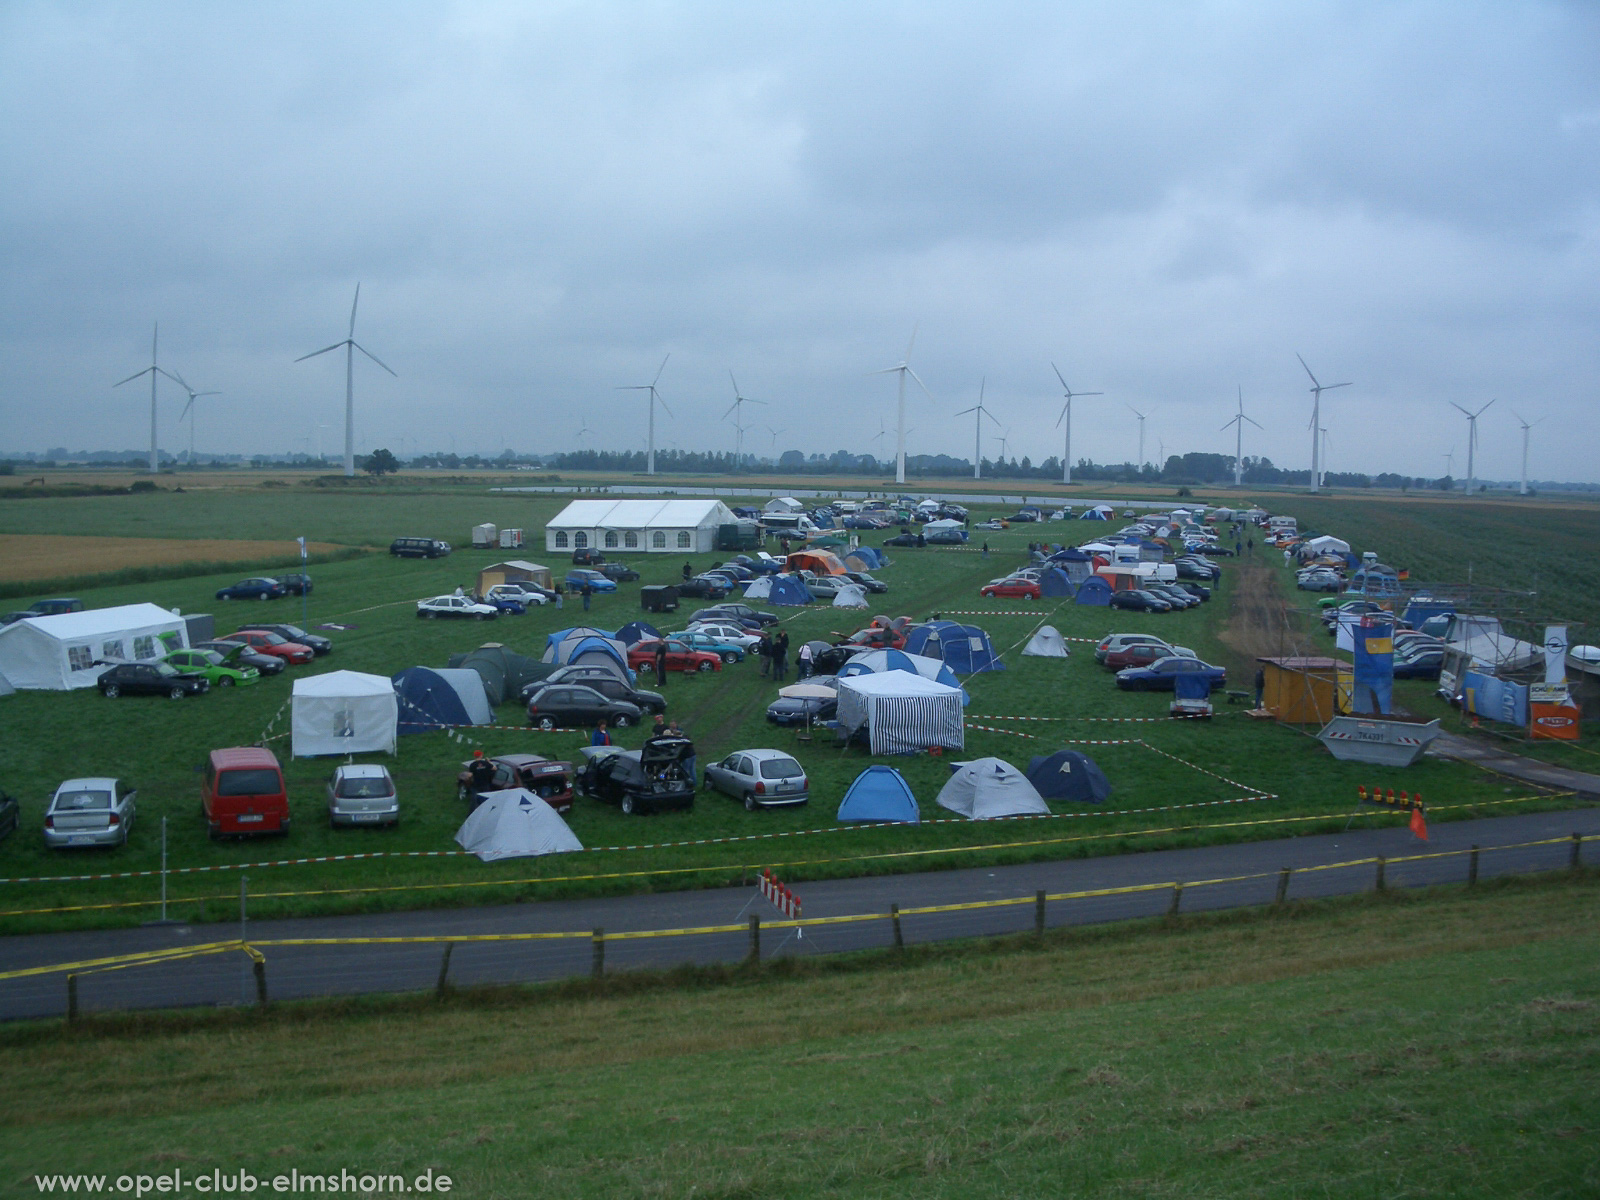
pixel 25 556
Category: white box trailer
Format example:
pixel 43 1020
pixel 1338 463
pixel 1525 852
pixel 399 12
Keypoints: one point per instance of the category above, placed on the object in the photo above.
pixel 484 537
pixel 511 539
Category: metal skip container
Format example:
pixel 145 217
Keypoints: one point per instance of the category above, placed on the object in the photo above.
pixel 1380 741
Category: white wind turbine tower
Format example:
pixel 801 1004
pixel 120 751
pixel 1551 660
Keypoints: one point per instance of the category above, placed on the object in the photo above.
pixel 188 408
pixel 775 433
pixel 152 370
pixel 977 444
pixel 738 429
pixel 1472 439
pixel 650 445
pixel 1141 417
pixel 902 369
pixel 1316 390
pixel 1004 439
pixel 350 347
pixel 1449 461
pixel 1238 440
pixel 1523 489
pixel 877 438
pixel 1066 416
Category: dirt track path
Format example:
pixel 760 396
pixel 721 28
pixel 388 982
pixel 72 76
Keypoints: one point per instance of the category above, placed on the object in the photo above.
pixel 1261 622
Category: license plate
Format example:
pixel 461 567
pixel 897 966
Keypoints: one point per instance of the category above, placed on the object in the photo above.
pixel 80 841
pixel 250 818
pixel 365 816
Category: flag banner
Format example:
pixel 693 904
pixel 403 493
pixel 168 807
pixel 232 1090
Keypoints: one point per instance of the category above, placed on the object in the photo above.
pixel 1373 643
pixel 302 542
pixel 1555 653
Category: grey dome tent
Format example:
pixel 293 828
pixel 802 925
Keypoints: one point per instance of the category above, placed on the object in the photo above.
pixel 880 793
pixel 515 823
pixel 986 789
pixel 1046 642
pixel 1070 776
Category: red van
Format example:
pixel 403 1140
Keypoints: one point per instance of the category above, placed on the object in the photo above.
pixel 243 793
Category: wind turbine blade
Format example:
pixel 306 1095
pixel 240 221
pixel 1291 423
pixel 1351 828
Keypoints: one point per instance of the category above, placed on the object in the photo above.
pixel 982 383
pixel 660 369
pixel 1075 394
pixel 747 400
pixel 735 383
pixel 1331 386
pixel 1254 422
pixel 965 411
pixel 731 407
pixel 633 387
pixel 353 304
pixel 920 384
pixel 1484 409
pixel 1459 409
pixel 177 377
pixel 1232 421
pixel 1314 382
pixel 991 416
pixel 208 393
pixel 1062 417
pixel 663 404
pixel 132 377
pixel 324 350
pixel 1057 370
pixel 373 357
pixel 186 408
pixel 889 370
pixel 912 342
pixel 172 377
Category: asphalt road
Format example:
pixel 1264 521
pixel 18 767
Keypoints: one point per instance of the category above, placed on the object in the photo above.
pixel 226 979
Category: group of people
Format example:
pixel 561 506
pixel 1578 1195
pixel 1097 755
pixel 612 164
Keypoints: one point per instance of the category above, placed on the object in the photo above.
pixel 774 654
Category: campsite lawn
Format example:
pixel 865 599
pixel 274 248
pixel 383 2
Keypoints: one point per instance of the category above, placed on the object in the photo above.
pixel 1442 1044
pixel 1189 797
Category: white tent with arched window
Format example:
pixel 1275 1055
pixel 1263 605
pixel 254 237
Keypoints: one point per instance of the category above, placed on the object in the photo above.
pixel 638 526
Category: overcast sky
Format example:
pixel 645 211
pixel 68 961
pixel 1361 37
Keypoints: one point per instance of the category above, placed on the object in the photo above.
pixel 540 201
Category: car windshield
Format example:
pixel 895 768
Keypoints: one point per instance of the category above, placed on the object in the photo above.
pixel 262 781
pixel 271 639
pixel 294 631
pixel 209 656
pixel 781 768
pixel 363 787
pixel 83 801
pixel 166 669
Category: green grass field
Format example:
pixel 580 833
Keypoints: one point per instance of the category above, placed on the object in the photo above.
pixel 1431 1045
pixel 159 744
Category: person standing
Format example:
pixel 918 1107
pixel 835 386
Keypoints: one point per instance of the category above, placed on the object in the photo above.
pixel 780 656
pixel 481 772
pixel 1261 684
pixel 588 591
pixel 764 652
pixel 688 571
pixel 661 662
pixel 600 737
pixel 986 549
pixel 804 659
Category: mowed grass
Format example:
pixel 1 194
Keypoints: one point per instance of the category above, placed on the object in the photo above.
pixel 159 744
pixel 1441 1045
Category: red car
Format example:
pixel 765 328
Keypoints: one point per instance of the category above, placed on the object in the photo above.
pixel 642 656
pixel 274 644
pixel 1140 654
pixel 1027 589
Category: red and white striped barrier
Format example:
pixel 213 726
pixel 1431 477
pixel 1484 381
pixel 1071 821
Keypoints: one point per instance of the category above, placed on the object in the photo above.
pixel 779 896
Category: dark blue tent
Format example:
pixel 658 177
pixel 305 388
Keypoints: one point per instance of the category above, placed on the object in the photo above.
pixel 636 631
pixel 428 701
pixel 965 649
pixel 1055 582
pixel 1093 590
pixel 789 590
pixel 1070 776
pixel 880 794
pixel 871 555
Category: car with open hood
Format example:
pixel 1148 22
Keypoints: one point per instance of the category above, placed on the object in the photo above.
pixel 549 779
pixel 238 655
pixel 654 777
pixel 212 667
pixel 150 679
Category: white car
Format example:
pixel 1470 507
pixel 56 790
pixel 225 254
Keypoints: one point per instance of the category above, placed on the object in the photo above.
pixel 362 794
pixel 760 778
pixel 514 591
pixel 90 812
pixel 456 606
pixel 723 631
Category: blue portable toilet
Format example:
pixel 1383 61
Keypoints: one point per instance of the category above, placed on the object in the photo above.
pixel 880 794
pixel 1093 590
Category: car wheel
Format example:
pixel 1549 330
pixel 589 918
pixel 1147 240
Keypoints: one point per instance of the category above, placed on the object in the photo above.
pixel 176 693
pixel 749 802
pixel 263 596
pixel 704 666
pixel 431 615
pixel 225 681
pixel 627 806
pixel 112 691
pixel 622 721
pixel 483 616
pixel 547 723
pixel 730 657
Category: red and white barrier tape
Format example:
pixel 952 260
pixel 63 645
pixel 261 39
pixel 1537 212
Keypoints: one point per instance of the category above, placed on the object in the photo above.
pixel 779 896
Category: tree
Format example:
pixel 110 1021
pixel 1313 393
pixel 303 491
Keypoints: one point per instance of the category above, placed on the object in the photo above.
pixel 380 462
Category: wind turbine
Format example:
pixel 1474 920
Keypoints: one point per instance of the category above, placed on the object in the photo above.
pixel 584 430
pixel 738 429
pixel 1316 390
pixel 977 444
pixel 1449 461
pixel 877 438
pixel 1472 438
pixel 902 369
pixel 1141 417
pixel 1066 415
pixel 774 433
pixel 1238 440
pixel 350 347
pixel 1004 437
pixel 193 396
pixel 152 370
pixel 650 446
pixel 1523 490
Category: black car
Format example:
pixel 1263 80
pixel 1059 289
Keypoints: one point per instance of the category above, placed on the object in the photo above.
pixel 792 710
pixel 587 556
pixel 8 814
pixel 907 539
pixel 150 679
pixel 742 613
pixel 1139 601
pixel 703 588
pixel 1198 590
pixel 293 633
pixel 828 662
pixel 1178 597
pixel 296 584
pixel 262 587
pixel 604 681
pixel 876 586
pixel 619 572
pixel 575 705
pixel 418 547
pixel 653 777
pixel 1425 665
pixel 237 654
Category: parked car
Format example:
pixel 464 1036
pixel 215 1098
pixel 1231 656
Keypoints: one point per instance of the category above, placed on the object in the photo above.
pixel 296 584
pixel 526 594
pixel 362 794
pixel 238 655
pixel 1025 516
pixel 792 710
pixel 456 606
pixel 742 613
pixel 703 587
pixel 505 604
pixel 728 652
pixel 96 811
pixel 1143 654
pixel 1179 598
pixel 150 679
pixel 648 779
pixel 211 667
pixel 680 656
pixel 906 539
pixel 1137 600
pixel 293 633
pixel 828 662
pixel 1011 588
pixel 597 582
pixel 576 706
pixel 992 526
pixel 875 587
pixel 1424 664
pixel 945 537
pixel 587 556
pixel 45 608
pixel 875 637
pixel 242 793
pixel 546 778
pixel 619 573
pixel 418 547
pixel 1116 641
pixel 728 631
pixel 9 810
pixel 760 778
pixel 260 588
pixel 603 680
pixel 1158 676
pixel 273 643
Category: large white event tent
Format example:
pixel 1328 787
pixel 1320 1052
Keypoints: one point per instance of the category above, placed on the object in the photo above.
pixel 70 650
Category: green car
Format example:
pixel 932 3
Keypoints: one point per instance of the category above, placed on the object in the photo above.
pixel 213 667
pixel 726 651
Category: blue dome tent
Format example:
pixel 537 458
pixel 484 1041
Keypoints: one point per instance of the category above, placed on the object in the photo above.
pixel 1056 582
pixel 880 793
pixel 789 590
pixel 589 650
pixel 432 700
pixel 965 649
pixel 1093 590
pixel 873 661
pixel 1070 776
pixel 636 631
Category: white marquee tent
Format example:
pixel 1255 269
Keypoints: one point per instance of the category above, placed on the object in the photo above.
pixel 343 712
pixel 70 650
pixel 642 526
pixel 903 713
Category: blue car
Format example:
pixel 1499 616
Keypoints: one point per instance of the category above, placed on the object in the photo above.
pixel 506 604
pixel 261 588
pixel 1159 675
pixel 596 581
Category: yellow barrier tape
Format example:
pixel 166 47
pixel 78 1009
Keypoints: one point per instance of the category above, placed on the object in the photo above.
pixel 143 956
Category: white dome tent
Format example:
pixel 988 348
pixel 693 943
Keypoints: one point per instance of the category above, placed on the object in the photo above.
pixel 515 823
pixel 1046 642
pixel 988 788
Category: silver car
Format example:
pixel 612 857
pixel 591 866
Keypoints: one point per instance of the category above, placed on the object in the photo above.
pixel 362 794
pixel 761 778
pixel 90 812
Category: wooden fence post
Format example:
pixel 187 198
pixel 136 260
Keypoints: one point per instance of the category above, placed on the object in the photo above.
pixel 597 966
pixel 1472 866
pixel 1577 852
pixel 1283 886
pixel 444 971
pixel 894 916
pixel 1177 899
pixel 754 954
pixel 72 997
pixel 1038 914
pixel 1380 880
pixel 260 965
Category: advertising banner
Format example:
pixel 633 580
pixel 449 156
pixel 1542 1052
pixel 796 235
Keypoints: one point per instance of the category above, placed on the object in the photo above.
pixel 1373 642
